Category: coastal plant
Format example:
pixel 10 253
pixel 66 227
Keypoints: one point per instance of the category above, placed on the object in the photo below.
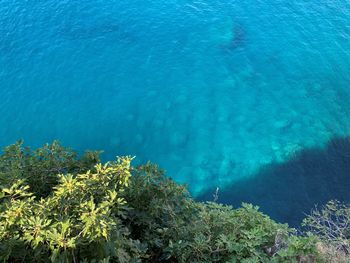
pixel 300 249
pixel 175 228
pixel 56 206
pixel 220 233
pixel 331 224
pixel 159 211
pixel 78 221
pixel 39 168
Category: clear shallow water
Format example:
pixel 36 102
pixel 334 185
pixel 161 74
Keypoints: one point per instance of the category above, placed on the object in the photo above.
pixel 211 90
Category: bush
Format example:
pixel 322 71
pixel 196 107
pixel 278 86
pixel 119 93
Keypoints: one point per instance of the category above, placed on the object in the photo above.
pixel 55 206
pixel 220 234
pixel 331 224
pixel 159 210
pixel 39 168
pixel 175 228
pixel 300 249
pixel 78 221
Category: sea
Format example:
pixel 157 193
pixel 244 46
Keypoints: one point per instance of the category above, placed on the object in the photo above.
pixel 249 99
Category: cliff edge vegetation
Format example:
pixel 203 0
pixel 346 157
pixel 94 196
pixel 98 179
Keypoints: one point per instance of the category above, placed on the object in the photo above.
pixel 59 206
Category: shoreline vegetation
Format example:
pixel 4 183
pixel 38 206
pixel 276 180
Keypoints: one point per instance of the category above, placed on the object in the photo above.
pixel 58 206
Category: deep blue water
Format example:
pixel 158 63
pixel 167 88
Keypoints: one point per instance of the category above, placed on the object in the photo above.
pixel 214 91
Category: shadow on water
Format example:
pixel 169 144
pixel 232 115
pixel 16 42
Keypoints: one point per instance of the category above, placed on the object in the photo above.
pixel 238 39
pixel 288 190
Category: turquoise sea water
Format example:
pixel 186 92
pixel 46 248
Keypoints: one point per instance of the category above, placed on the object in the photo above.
pixel 212 90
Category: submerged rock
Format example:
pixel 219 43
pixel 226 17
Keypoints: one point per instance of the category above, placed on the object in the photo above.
pixel 283 125
pixel 238 40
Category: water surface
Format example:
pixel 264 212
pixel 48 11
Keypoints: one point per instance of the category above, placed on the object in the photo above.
pixel 211 90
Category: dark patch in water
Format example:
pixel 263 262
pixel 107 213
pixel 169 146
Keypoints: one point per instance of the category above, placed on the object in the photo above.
pixel 289 190
pixel 238 40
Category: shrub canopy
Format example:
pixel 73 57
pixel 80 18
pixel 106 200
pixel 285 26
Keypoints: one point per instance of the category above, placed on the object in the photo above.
pixel 59 207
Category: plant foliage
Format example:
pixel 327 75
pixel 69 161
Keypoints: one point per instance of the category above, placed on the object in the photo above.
pixel 58 207
pixel 331 223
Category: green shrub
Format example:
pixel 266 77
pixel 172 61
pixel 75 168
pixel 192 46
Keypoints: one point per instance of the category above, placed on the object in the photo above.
pixel 39 168
pixel 79 220
pixel 175 228
pixel 58 207
pixel 331 224
pixel 160 210
pixel 300 249
pixel 219 233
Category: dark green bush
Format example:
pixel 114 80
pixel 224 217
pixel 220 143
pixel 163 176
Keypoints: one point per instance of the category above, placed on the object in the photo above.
pixel 58 207
pixel 159 210
pixel 39 168
pixel 175 228
pixel 218 233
